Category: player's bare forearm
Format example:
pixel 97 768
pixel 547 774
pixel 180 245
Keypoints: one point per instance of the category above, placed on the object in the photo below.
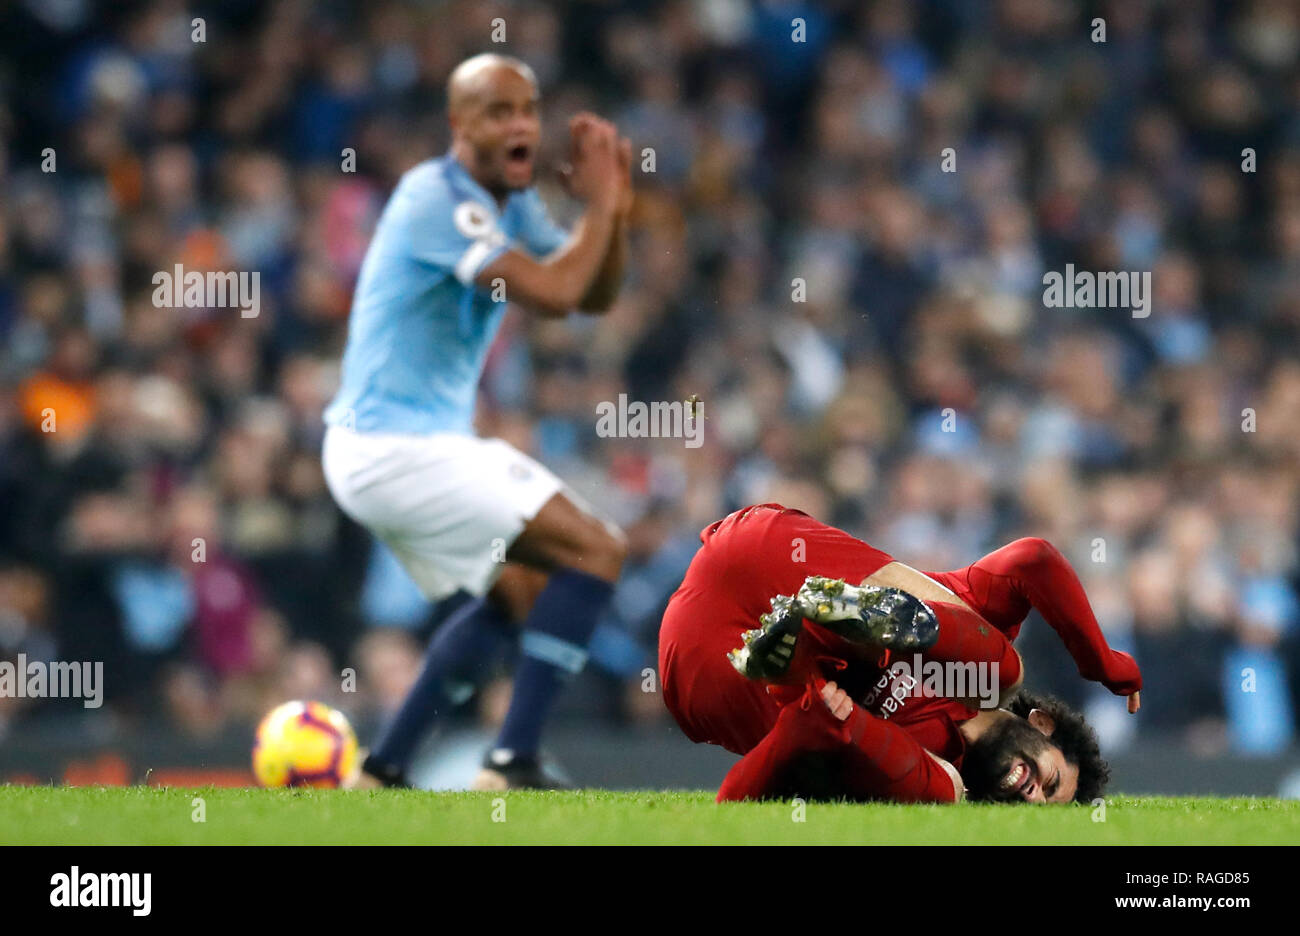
pixel 557 285
pixel 598 176
pixel 609 279
pixel 579 263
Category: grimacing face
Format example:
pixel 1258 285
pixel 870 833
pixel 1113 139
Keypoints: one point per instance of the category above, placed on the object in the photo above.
pixel 1015 761
pixel 501 123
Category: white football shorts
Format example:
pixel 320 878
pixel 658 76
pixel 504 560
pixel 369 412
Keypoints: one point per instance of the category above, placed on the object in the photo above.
pixel 447 505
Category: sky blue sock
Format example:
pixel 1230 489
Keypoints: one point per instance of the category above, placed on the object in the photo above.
pixel 552 649
pixel 469 639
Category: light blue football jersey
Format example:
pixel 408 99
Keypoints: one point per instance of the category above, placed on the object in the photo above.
pixel 420 328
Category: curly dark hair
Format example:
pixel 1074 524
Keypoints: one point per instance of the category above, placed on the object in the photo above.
pixel 1074 736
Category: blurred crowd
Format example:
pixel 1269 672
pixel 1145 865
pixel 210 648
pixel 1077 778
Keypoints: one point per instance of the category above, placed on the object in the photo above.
pixel 864 327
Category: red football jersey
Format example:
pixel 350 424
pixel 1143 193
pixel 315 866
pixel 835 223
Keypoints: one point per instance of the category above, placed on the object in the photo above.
pixel 932 720
pixel 746 558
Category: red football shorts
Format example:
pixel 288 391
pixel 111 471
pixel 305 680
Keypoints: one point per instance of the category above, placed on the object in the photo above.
pixel 747 558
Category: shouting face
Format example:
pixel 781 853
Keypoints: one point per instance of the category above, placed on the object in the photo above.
pixel 496 128
pixel 1015 760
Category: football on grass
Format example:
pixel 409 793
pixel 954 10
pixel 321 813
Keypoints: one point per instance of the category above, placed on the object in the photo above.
pixel 305 744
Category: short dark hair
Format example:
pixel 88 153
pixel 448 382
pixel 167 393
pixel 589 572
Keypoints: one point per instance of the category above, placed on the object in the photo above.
pixel 1074 736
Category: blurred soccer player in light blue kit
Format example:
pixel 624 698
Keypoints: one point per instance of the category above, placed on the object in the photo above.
pixel 460 234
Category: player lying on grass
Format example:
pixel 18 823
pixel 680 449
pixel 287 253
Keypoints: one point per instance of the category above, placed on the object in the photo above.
pixel 812 700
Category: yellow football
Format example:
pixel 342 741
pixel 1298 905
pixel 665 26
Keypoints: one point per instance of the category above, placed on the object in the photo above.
pixel 305 744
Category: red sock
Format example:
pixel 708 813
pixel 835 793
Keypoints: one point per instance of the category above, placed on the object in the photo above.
pixel 1030 572
pixel 965 637
pixel 761 772
pixel 883 761
pixel 804 727
pixel 874 759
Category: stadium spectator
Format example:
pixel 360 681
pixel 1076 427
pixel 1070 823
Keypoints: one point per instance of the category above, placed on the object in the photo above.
pixel 866 330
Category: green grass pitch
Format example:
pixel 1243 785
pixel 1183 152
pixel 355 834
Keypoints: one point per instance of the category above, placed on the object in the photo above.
pixel 147 815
